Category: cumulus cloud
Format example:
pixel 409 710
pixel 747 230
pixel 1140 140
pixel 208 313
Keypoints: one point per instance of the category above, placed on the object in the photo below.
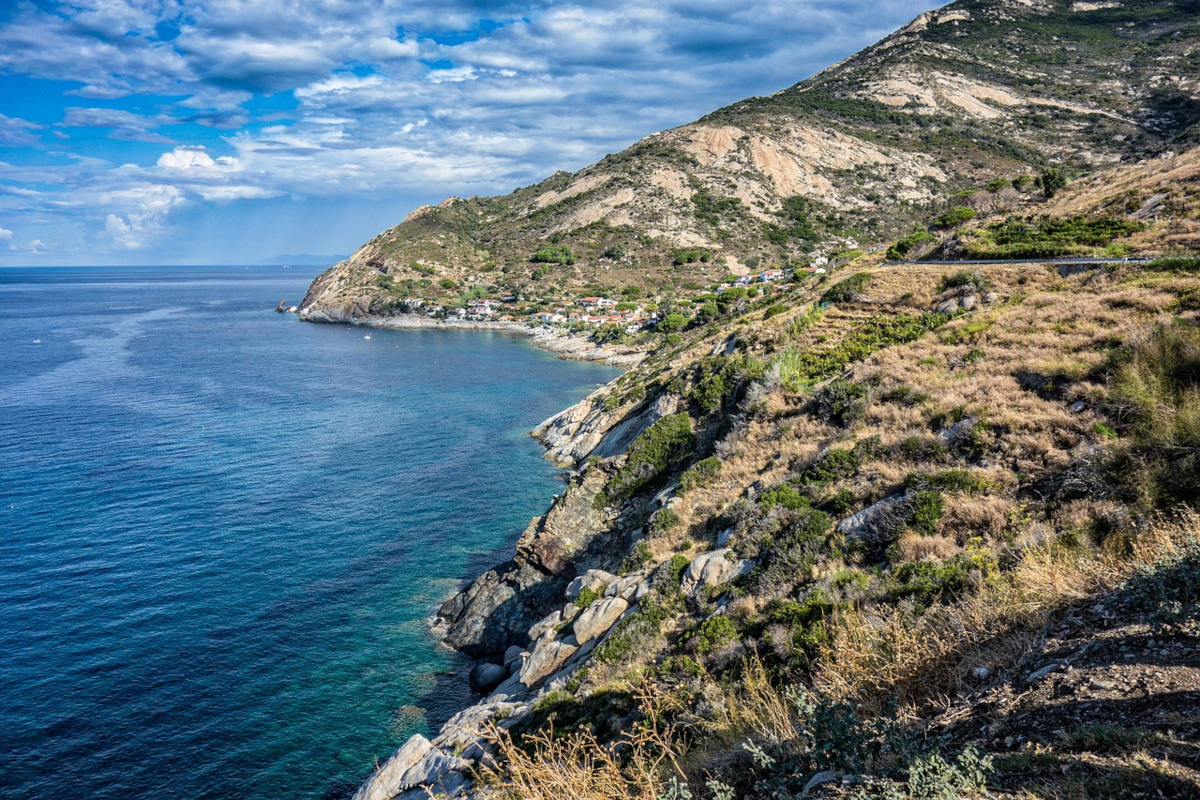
pixel 403 98
pixel 5 235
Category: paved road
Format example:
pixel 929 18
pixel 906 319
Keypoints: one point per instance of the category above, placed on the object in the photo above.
pixel 1035 261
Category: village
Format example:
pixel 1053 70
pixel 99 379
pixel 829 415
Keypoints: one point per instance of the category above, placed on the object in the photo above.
pixel 594 312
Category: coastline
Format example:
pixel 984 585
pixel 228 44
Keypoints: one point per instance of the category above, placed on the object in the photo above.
pixel 560 343
pixel 515 677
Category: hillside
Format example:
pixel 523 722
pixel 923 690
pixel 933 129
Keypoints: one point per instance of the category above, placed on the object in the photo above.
pixel 902 531
pixel 886 528
pixel 854 156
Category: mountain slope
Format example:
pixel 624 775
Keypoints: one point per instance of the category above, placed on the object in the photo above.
pixel 855 155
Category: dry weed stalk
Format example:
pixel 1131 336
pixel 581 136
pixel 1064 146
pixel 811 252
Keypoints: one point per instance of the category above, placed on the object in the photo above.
pixel 577 766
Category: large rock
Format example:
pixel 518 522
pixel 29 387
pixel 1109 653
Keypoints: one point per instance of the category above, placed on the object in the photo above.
pixel 484 676
pixel 594 579
pixel 545 660
pixel 712 569
pixel 388 780
pixel 874 520
pixel 598 618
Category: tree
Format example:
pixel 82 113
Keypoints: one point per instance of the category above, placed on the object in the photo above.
pixel 1053 180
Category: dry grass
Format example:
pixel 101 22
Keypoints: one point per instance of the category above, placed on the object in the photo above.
pixel 884 654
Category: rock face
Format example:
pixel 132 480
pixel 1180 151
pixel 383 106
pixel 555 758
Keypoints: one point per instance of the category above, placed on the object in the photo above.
pixel 587 428
pixel 499 607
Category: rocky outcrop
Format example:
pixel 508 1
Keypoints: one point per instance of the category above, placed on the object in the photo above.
pixel 498 608
pixel 713 568
pixel 598 618
pixel 588 428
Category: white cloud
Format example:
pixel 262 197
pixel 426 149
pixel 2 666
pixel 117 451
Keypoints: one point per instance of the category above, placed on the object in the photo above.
pixel 515 91
pixel 5 235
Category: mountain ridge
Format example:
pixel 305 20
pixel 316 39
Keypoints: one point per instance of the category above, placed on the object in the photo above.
pixel 855 155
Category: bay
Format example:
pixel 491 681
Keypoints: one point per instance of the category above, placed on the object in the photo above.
pixel 222 530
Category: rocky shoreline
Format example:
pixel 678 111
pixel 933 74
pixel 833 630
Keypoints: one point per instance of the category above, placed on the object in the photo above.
pixel 520 619
pixel 561 343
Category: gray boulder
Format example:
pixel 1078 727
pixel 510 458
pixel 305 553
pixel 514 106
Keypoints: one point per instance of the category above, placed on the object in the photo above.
pixel 484 676
pixel 712 569
pixel 598 618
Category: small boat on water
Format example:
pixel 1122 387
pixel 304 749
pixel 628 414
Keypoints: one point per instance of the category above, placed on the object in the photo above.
pixel 368 336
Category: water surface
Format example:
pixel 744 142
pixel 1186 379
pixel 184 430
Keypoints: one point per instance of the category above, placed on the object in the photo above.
pixel 222 530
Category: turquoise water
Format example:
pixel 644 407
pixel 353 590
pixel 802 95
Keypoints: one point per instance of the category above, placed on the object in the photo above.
pixel 222 530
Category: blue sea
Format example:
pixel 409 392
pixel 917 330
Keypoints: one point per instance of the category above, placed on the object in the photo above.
pixel 222 530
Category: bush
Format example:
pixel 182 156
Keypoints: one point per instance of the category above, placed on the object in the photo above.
pixel 966 277
pixel 1052 181
pixel 774 310
pixel 699 474
pixel 839 402
pixel 714 633
pixel 956 216
pixel 925 509
pixel 906 245
pixel 587 596
pixel 651 456
pixel 691 256
pixel 832 465
pixel 663 521
pixel 964 481
pixel 553 254
pixel 785 495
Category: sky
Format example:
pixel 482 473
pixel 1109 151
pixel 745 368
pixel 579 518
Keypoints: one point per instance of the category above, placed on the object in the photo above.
pixel 231 131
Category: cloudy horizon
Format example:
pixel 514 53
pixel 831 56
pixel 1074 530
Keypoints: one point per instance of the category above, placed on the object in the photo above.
pixel 219 131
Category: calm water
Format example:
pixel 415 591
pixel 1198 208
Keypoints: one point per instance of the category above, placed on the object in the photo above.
pixel 222 530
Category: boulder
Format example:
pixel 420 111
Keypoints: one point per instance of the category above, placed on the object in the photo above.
pixel 873 519
pixel 388 780
pixel 484 677
pixel 624 587
pixel 598 618
pixel 712 569
pixel 546 659
pixel 513 655
pixel 969 302
pixel 547 624
pixel 594 579
pixel 441 774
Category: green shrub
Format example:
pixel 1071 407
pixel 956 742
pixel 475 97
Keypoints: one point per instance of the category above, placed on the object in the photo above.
pixel 774 310
pixel 832 465
pixel 553 254
pixel 956 216
pixel 839 402
pixel 663 521
pixel 964 481
pixel 676 567
pixel 906 245
pixel 699 474
pixel 638 557
pixel 1052 181
pixel 651 456
pixel 587 596
pixel 714 633
pixel 673 338
pixel 966 277
pixel 691 256
pixel 925 509
pixel 928 581
pixel 785 495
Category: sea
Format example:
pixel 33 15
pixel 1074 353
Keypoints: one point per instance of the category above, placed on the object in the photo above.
pixel 223 531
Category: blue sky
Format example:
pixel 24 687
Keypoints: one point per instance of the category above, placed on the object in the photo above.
pixel 229 131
